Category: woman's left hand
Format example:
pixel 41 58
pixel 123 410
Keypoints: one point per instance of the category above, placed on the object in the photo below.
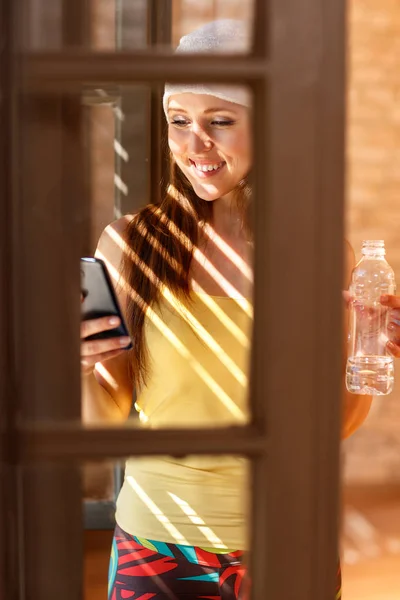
pixel 393 304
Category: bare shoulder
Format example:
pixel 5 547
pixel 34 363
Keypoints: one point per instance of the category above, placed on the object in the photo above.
pixel 121 224
pixel 110 246
pixel 113 231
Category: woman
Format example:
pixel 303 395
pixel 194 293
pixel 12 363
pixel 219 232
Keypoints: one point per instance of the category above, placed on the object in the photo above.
pixel 185 279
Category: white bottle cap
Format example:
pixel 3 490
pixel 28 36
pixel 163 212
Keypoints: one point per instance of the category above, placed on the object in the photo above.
pixel 373 247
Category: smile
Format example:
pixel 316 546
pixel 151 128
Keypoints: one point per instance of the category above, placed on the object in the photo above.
pixel 206 169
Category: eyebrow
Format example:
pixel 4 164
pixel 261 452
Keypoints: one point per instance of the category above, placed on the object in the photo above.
pixel 206 112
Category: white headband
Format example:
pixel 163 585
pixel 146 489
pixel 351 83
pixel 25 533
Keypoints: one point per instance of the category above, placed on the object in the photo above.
pixel 224 36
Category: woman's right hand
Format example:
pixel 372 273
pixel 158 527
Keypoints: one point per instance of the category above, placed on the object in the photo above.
pixel 94 351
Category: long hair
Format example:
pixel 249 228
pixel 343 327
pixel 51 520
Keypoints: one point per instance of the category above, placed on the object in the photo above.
pixel 160 241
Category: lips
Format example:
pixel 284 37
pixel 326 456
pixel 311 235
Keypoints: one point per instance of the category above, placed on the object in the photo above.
pixel 206 169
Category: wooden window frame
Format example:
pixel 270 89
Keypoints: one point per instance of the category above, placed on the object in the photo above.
pixel 297 74
pixel 9 586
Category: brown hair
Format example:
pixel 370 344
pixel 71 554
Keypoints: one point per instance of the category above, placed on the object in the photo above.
pixel 160 241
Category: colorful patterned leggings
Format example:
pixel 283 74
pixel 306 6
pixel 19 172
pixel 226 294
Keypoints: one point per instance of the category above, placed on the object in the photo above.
pixel 143 569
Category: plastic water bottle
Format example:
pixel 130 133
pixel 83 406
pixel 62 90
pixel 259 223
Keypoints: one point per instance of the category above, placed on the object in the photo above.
pixel 370 367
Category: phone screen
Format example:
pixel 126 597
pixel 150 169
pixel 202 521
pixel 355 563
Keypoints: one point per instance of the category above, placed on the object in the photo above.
pixel 99 298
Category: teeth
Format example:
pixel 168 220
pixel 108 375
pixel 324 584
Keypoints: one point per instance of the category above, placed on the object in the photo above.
pixel 206 168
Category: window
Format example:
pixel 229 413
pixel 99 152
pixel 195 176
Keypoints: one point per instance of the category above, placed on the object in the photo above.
pixel 296 73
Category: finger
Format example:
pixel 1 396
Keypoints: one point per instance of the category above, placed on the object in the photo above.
pixel 89 361
pixel 394 349
pixel 390 301
pixel 394 332
pixel 395 315
pixel 96 347
pixel 346 297
pixel 92 326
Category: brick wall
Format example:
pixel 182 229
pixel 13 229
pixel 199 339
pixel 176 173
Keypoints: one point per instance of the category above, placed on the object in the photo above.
pixel 373 210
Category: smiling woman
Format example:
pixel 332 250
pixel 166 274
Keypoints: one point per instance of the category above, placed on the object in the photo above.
pixel 210 144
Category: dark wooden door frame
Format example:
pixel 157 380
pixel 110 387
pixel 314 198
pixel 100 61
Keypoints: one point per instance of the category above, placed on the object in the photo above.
pixel 9 580
pixel 297 73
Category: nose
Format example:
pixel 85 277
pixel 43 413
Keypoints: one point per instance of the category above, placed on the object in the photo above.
pixel 199 141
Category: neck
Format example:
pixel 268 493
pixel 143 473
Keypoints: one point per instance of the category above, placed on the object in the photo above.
pixel 226 216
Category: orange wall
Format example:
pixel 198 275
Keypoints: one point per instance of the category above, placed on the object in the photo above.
pixel 373 210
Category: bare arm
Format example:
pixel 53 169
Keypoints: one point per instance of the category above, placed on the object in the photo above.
pixel 107 385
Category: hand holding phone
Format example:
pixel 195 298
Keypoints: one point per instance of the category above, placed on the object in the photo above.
pixel 104 333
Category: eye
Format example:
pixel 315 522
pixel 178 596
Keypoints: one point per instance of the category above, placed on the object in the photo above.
pixel 222 122
pixel 179 122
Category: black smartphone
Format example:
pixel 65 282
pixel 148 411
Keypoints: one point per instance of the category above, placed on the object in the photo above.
pixel 99 298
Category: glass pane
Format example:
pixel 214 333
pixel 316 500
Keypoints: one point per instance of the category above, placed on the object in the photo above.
pixel 118 130
pixel 191 14
pixel 190 362
pixel 123 24
pixel 189 515
pixel 99 482
pixel 181 526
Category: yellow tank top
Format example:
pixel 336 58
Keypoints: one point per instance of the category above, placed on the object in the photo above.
pixel 198 370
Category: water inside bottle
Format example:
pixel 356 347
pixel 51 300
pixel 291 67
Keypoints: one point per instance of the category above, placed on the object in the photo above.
pixel 372 375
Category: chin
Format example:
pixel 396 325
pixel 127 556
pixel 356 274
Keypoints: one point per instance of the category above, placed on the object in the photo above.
pixel 208 195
